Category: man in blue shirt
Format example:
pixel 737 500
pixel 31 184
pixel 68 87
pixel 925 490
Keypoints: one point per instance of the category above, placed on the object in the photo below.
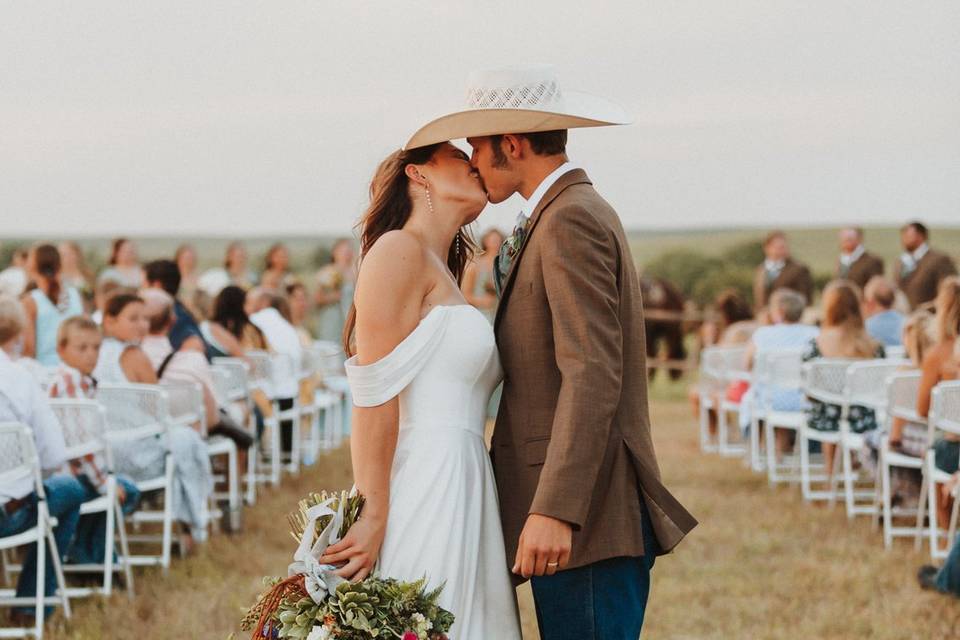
pixel 883 322
pixel 164 274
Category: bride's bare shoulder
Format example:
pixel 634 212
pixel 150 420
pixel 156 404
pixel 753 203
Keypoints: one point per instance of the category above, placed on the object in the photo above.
pixel 395 260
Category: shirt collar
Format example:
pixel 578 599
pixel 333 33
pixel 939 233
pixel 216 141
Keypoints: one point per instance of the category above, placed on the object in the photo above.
pixel 853 256
pixel 919 252
pixel 531 204
pixel 774 265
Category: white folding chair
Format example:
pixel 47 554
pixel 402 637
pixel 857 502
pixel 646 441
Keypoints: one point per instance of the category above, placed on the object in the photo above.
pixel 824 380
pixel 901 394
pixel 335 397
pixel 717 365
pixel 945 417
pixel 18 462
pixel 261 380
pixel 232 387
pixel 865 387
pixel 895 352
pixel 84 424
pixel 781 371
pixel 138 416
pixel 277 376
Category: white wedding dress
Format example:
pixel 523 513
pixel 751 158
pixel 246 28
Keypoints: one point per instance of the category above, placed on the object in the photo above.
pixel 444 522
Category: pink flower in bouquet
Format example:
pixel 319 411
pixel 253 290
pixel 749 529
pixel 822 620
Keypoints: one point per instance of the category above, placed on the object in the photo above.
pixel 409 635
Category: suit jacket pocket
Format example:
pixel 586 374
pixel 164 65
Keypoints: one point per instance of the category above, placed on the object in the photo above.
pixel 535 450
pixel 522 289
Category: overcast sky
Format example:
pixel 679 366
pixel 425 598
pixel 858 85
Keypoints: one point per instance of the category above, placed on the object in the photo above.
pixel 251 118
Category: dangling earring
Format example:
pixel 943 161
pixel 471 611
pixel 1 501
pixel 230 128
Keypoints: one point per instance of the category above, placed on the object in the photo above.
pixel 459 232
pixel 426 189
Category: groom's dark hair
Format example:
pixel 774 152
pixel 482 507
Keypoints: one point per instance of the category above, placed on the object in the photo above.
pixel 543 143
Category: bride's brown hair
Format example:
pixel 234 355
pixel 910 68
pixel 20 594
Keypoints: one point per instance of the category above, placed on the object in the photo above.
pixel 389 210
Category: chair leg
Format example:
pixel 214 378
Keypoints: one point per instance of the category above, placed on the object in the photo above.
pixel 804 445
pixel 252 454
pixel 57 567
pixel 769 432
pixel 921 511
pixel 168 498
pixel 108 541
pixel 848 480
pixel 38 611
pixel 124 549
pixel 886 498
pixel 932 506
pixel 233 484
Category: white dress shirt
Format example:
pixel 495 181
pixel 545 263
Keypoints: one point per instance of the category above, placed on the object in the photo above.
pixel 531 204
pixel 847 259
pixel 910 260
pixel 22 400
pixel 282 337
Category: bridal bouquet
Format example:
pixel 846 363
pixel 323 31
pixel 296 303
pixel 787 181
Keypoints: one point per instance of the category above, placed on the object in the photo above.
pixel 313 603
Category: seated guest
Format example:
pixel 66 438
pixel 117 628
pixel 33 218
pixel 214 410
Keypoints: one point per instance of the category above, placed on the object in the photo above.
pixel 785 332
pixel 942 362
pixel 918 338
pixel 842 335
pixel 920 268
pixel 229 331
pixel 22 400
pixel 165 275
pixel 103 291
pixel 122 360
pixel 856 264
pixel 947 578
pixel 298 304
pixel 780 271
pixel 78 344
pixel 188 364
pixel 234 272
pixel 883 322
pixel 14 279
pixel 276 267
pixel 124 266
pixel 47 305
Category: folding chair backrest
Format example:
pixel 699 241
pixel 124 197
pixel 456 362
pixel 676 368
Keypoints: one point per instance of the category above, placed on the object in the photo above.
pixel 261 371
pixel 327 356
pixel 779 368
pixel 284 370
pixel 719 365
pixel 186 403
pixel 84 425
pixel 902 389
pixel 945 407
pixel 18 456
pixel 895 352
pixel 866 381
pixel 236 385
pixel 825 379
pixel 135 410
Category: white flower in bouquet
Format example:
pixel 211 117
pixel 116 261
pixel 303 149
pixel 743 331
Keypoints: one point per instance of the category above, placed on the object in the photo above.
pixel 320 632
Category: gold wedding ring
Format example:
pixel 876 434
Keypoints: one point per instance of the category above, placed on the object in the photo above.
pixel 553 564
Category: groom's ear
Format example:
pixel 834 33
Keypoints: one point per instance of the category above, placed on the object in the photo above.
pixel 512 146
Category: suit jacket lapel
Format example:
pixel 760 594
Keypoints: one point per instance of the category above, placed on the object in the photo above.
pixel 576 176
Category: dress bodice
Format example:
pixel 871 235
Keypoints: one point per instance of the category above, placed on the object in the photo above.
pixel 443 372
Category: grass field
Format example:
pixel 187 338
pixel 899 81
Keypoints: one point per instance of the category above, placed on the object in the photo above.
pixel 762 564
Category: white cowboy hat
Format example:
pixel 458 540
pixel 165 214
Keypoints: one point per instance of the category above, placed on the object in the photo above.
pixel 523 99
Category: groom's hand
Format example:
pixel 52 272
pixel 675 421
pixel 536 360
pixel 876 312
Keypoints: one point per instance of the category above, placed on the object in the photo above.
pixel 544 546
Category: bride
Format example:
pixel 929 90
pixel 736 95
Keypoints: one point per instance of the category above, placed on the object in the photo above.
pixel 424 364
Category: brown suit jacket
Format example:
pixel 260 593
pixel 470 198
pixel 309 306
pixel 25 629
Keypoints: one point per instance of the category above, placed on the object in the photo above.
pixel 572 439
pixel 794 275
pixel 863 268
pixel 920 285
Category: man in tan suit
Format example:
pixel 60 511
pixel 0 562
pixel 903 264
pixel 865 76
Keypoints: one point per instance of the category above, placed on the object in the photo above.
pixel 856 264
pixel 584 511
pixel 779 271
pixel 920 268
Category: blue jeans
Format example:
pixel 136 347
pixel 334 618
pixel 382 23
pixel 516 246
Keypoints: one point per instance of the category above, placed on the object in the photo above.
pixel 601 601
pixel 91 535
pixel 65 494
pixel 948 578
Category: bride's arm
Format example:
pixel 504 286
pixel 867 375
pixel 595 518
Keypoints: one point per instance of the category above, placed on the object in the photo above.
pixel 389 296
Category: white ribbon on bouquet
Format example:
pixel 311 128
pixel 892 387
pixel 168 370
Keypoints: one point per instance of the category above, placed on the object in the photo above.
pixel 319 579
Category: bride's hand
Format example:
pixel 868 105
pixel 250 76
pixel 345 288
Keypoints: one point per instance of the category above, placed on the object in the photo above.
pixel 360 549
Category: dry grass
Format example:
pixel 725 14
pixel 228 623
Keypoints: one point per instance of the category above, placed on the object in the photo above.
pixel 762 564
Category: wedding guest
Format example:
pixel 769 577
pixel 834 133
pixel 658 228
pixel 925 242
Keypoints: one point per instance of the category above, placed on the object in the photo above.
pixel 165 275
pixel 478 286
pixel 229 332
pixel 193 297
pixel 124 265
pixel 335 285
pixel 785 332
pixel 74 271
pixel 122 360
pixel 233 272
pixel 856 264
pixel 942 362
pixel 920 268
pixel 276 267
pixel 883 322
pixel 78 343
pixel 22 400
pixel 187 364
pixel 842 335
pixel 47 305
pixel 14 279
pixel 298 304
pixel 780 271
pixel 946 579
pixel 733 324
pixel 101 293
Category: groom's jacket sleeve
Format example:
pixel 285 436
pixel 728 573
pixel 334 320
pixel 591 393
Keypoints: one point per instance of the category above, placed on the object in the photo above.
pixel 581 267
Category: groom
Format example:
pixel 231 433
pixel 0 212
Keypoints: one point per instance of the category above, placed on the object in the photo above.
pixel 584 513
